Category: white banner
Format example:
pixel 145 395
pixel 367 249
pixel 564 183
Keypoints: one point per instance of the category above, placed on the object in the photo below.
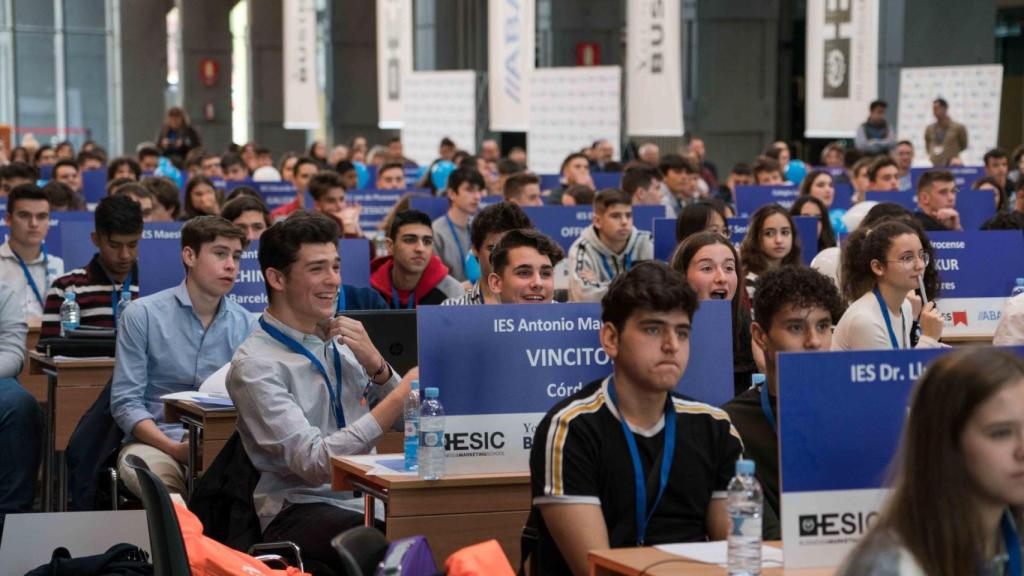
pixel 842 66
pixel 570 108
pixel 973 93
pixel 654 91
pixel 510 52
pixel 394 59
pixel 820 528
pixel 301 104
pixel 438 104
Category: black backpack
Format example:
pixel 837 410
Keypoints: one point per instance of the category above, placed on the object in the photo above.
pixel 222 499
pixel 118 560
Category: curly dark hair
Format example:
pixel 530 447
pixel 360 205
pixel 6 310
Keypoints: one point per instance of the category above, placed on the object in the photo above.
pixel 795 286
pixel 499 217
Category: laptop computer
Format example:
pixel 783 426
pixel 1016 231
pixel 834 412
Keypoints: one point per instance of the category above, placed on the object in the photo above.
pixel 393 332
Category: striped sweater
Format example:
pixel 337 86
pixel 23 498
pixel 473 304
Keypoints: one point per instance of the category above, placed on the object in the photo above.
pixel 94 292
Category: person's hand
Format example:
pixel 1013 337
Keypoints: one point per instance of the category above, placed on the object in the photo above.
pixel 931 322
pixel 350 332
pixel 949 218
pixel 915 303
pixel 349 219
pixel 180 451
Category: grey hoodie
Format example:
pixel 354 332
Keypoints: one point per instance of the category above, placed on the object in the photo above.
pixel 592 265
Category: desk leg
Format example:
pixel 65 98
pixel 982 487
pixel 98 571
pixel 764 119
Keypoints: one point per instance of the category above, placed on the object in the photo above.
pixel 60 463
pixel 369 506
pixel 51 442
pixel 194 442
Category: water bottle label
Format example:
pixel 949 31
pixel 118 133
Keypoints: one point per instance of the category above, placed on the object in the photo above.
pixel 410 428
pixel 433 439
pixel 69 325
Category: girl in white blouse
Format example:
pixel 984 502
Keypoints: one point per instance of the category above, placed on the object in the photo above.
pixel 881 267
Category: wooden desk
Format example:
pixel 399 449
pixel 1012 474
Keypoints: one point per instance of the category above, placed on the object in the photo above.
pixel 34 383
pixel 208 431
pixel 452 513
pixel 73 384
pixel 634 561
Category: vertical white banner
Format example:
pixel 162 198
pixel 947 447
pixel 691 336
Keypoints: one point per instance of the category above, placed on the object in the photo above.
pixel 842 66
pixel 439 104
pixel 654 91
pixel 510 52
pixel 394 59
pixel 301 105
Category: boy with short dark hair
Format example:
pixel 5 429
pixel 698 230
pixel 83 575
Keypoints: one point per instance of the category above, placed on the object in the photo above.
pixel 610 246
pixel 451 231
pixel 522 268
pixel 25 262
pixel 412 275
pixel 590 447
pixel 489 226
pixel 171 342
pixel 795 308
pixel 328 192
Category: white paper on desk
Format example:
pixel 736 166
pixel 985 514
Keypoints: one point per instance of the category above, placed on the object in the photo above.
pixel 377 469
pixel 718 552
pixel 216 383
pixel 201 397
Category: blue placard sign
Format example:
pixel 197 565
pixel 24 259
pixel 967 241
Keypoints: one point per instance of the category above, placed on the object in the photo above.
pixel 565 223
pixel 664 238
pixel 974 206
pixel 274 194
pixel 750 198
pixel 376 204
pixel 806 229
pixel 964 176
pixel 436 206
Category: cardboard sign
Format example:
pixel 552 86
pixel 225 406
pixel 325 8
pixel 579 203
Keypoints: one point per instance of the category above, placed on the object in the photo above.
pixel 977 271
pixel 500 368
pixel 565 223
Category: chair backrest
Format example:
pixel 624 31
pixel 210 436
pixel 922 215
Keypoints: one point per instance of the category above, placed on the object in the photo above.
pixel 165 541
pixel 361 550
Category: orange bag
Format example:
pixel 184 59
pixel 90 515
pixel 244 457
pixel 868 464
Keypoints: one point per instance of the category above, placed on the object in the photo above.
pixel 483 559
pixel 207 557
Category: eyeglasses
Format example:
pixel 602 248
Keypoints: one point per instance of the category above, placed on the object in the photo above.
pixel 908 260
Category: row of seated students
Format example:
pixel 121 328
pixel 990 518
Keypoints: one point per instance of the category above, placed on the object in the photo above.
pixel 290 427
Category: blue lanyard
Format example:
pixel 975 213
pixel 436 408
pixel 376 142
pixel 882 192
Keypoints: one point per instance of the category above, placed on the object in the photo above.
pixel 643 515
pixel 1011 541
pixel 125 294
pixel 31 280
pixel 458 243
pixel 341 299
pixel 888 320
pixel 398 303
pixel 608 269
pixel 291 344
pixel 766 407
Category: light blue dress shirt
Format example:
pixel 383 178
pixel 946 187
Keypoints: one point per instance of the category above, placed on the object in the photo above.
pixel 162 348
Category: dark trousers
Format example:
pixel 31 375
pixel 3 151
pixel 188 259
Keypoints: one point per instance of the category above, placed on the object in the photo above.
pixel 21 431
pixel 312 527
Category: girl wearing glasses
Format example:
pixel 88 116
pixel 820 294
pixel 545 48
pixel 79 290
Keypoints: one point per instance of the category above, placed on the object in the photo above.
pixel 882 265
pixel 957 495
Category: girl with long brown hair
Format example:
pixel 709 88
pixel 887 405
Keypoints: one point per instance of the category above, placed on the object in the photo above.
pixel 959 481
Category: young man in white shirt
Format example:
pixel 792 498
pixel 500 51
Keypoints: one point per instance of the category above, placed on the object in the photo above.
pixel 300 383
pixel 522 269
pixel 25 261
pixel 611 246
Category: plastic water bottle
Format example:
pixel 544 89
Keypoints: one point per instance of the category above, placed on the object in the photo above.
pixel 69 314
pixel 1018 289
pixel 411 414
pixel 431 449
pixel 745 506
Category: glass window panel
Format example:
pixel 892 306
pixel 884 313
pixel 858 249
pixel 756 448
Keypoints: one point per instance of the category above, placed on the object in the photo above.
pixel 86 85
pixel 34 79
pixel 33 13
pixel 85 14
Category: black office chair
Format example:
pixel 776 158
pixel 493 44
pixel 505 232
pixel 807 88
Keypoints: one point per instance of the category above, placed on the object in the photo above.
pixel 361 549
pixel 166 544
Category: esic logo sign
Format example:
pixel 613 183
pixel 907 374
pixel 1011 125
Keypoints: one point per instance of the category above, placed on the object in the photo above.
pixel 836 524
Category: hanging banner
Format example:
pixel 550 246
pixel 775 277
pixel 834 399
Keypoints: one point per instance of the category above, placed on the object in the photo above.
pixel 654 90
pixel 301 104
pixel 510 52
pixel 394 59
pixel 842 66
pixel 439 104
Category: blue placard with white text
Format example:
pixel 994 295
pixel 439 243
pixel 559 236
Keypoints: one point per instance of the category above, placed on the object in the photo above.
pixel 274 194
pixel 749 198
pixel 436 206
pixel 565 223
pixel 964 176
pixel 376 204
pixel 806 229
pixel 974 206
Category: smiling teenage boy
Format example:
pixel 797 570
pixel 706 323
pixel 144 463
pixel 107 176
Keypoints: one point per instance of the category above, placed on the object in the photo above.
pixel 595 454
pixel 611 246
pixel 523 267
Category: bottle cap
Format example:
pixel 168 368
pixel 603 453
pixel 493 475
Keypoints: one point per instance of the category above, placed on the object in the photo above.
pixel 757 378
pixel 72 296
pixel 415 384
pixel 431 392
pixel 744 467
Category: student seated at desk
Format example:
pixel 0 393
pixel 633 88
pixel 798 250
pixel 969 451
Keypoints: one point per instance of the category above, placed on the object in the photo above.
pixel 452 231
pixel 110 277
pixel 301 396
pixel 25 262
pixel 523 267
pixel 21 420
pixel 590 449
pixel 171 342
pixel 956 499
pixel 882 265
pixel 487 229
pixel 936 202
pixel 611 246
pixel 794 309
pixel 328 192
pixel 412 275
